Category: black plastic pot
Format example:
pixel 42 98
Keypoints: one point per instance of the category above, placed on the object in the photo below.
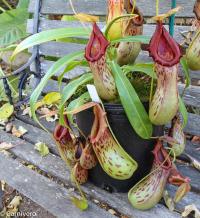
pixel 137 147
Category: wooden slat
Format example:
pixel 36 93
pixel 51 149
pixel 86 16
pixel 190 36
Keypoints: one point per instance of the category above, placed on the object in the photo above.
pixel 53 197
pixel 186 200
pixel 60 49
pixel 190 173
pixel 55 166
pixel 26 119
pixel 193 127
pixel 143 57
pixel 191 97
pixel 98 7
pixel 193 150
pixel 35 133
pixel 45 65
pixel 46 24
pixel 54 24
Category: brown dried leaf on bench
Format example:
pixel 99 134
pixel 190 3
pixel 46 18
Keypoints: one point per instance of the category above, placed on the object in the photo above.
pixel 18 132
pixel 196 139
pixel 189 209
pixel 5 146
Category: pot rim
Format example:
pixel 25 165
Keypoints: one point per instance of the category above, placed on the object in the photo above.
pixel 117 107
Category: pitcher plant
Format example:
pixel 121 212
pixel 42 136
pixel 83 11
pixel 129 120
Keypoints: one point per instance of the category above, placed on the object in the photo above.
pixel 111 67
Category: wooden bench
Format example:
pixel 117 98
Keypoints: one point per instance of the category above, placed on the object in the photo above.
pixel 52 187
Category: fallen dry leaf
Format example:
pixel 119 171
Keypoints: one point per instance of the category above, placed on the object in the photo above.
pixel 181 192
pixel 2 124
pixel 52 118
pixel 111 211
pixel 168 201
pixel 27 111
pixel 82 203
pixel 196 139
pixel 42 148
pixel 9 127
pixel 3 185
pixel 161 17
pixel 49 115
pixel 32 167
pixel 195 163
pixel 189 209
pixel 47 112
pixel 6 111
pixel 3 212
pixel 6 146
pixel 18 132
pixel 14 204
pixel 86 17
pixel 44 111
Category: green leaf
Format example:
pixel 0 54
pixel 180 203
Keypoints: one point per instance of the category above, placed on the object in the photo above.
pixel 50 35
pixel 6 111
pixel 68 18
pixel 11 82
pixel 82 204
pixel 52 70
pixel 186 71
pixel 133 107
pixel 23 4
pixel 51 98
pixel 13 26
pixel 138 38
pixel 147 68
pixel 8 48
pixel 70 67
pixel 42 148
pixel 183 111
pixel 84 98
pixel 70 89
pixel 73 40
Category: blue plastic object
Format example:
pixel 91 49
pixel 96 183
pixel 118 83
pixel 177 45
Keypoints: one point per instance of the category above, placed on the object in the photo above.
pixel 172 19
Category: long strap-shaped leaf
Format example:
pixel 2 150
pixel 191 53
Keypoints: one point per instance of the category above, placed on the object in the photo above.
pixel 147 68
pixel 133 107
pixel 52 70
pixel 70 89
pixel 81 100
pixel 138 38
pixel 50 35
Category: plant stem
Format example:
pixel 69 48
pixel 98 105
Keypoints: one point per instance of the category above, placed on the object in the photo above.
pixel 134 5
pixel 7 4
pixel 157 7
pixel 75 13
pixel 183 93
pixel 151 90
